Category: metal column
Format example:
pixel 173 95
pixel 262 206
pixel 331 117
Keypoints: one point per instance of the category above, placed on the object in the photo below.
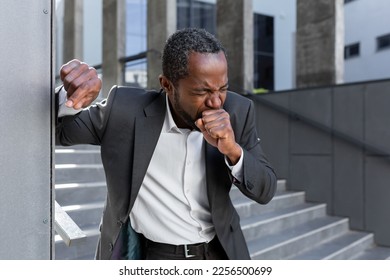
pixel 26 126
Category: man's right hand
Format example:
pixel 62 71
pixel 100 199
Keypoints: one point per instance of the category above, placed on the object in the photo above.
pixel 81 83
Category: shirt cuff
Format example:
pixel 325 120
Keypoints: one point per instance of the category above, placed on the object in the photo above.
pixel 236 170
pixel 62 109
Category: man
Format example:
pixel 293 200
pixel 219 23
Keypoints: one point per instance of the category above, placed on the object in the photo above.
pixel 171 157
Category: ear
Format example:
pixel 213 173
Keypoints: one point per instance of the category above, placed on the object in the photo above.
pixel 165 84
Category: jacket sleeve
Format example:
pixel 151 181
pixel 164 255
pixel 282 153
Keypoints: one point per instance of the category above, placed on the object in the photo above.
pixel 259 179
pixel 87 126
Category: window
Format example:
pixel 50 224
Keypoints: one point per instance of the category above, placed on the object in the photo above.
pixel 352 50
pixel 192 13
pixel 383 42
pixel 263 52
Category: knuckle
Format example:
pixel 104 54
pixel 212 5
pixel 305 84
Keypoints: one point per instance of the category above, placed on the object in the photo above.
pixel 93 71
pixel 83 86
pixel 83 67
pixel 75 60
pixel 68 79
pixel 91 86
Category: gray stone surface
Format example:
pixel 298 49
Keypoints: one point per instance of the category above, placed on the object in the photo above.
pixel 344 161
pixel 277 141
pixel 161 24
pixel 114 26
pixel 26 129
pixel 319 42
pixel 73 30
pixel 235 30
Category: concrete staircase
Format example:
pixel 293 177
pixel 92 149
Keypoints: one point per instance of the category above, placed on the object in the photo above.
pixel 291 228
pixel 80 190
pixel 286 228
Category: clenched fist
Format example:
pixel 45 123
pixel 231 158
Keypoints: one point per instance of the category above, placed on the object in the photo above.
pixel 81 83
pixel 217 130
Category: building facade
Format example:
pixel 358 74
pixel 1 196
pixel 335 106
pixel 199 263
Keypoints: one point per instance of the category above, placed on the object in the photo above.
pixel 274 29
pixel 367 38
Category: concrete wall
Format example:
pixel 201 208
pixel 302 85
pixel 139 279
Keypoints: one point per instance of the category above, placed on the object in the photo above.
pixel 161 24
pixel 26 143
pixel 236 34
pixel 308 140
pixel 319 43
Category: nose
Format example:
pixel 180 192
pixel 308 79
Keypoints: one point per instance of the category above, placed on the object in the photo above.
pixel 214 101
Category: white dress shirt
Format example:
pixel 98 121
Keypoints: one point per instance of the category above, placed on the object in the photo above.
pixel 62 109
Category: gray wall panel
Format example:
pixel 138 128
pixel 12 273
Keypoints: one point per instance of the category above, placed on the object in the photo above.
pixel 348 110
pixel 337 167
pixel 348 183
pixel 377 100
pixel 377 198
pixel 307 140
pixel 312 174
pixel 316 105
pixel 348 188
pixel 313 103
pixel 26 134
pixel 275 142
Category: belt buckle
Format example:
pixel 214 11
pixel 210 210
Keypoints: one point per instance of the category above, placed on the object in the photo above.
pixel 186 252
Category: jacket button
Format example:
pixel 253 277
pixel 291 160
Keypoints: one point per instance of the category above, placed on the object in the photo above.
pixel 249 185
pixel 119 223
pixel 111 247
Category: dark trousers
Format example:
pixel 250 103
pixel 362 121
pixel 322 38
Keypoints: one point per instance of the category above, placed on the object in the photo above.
pixel 202 251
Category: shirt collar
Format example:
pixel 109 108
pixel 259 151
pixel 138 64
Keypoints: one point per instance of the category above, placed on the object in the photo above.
pixel 169 124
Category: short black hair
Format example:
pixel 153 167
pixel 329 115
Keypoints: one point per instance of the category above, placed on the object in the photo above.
pixel 178 47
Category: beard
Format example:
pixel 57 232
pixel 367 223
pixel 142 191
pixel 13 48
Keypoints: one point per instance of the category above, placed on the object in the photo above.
pixel 181 113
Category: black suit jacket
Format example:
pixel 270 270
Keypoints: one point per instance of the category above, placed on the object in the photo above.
pixel 127 126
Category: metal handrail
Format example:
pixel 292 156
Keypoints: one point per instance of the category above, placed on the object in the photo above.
pixel 337 133
pixel 66 227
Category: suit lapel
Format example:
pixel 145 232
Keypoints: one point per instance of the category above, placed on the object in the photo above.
pixel 147 132
pixel 215 166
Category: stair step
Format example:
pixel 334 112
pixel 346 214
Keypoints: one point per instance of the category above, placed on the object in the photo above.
pixel 341 247
pixel 78 147
pixel 235 193
pixel 80 173
pixel 80 193
pixel 281 220
pixel 74 156
pixel 246 207
pixel 374 253
pixel 284 244
pixel 285 228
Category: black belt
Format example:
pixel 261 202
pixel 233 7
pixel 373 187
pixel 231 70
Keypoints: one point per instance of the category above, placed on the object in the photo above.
pixel 186 250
